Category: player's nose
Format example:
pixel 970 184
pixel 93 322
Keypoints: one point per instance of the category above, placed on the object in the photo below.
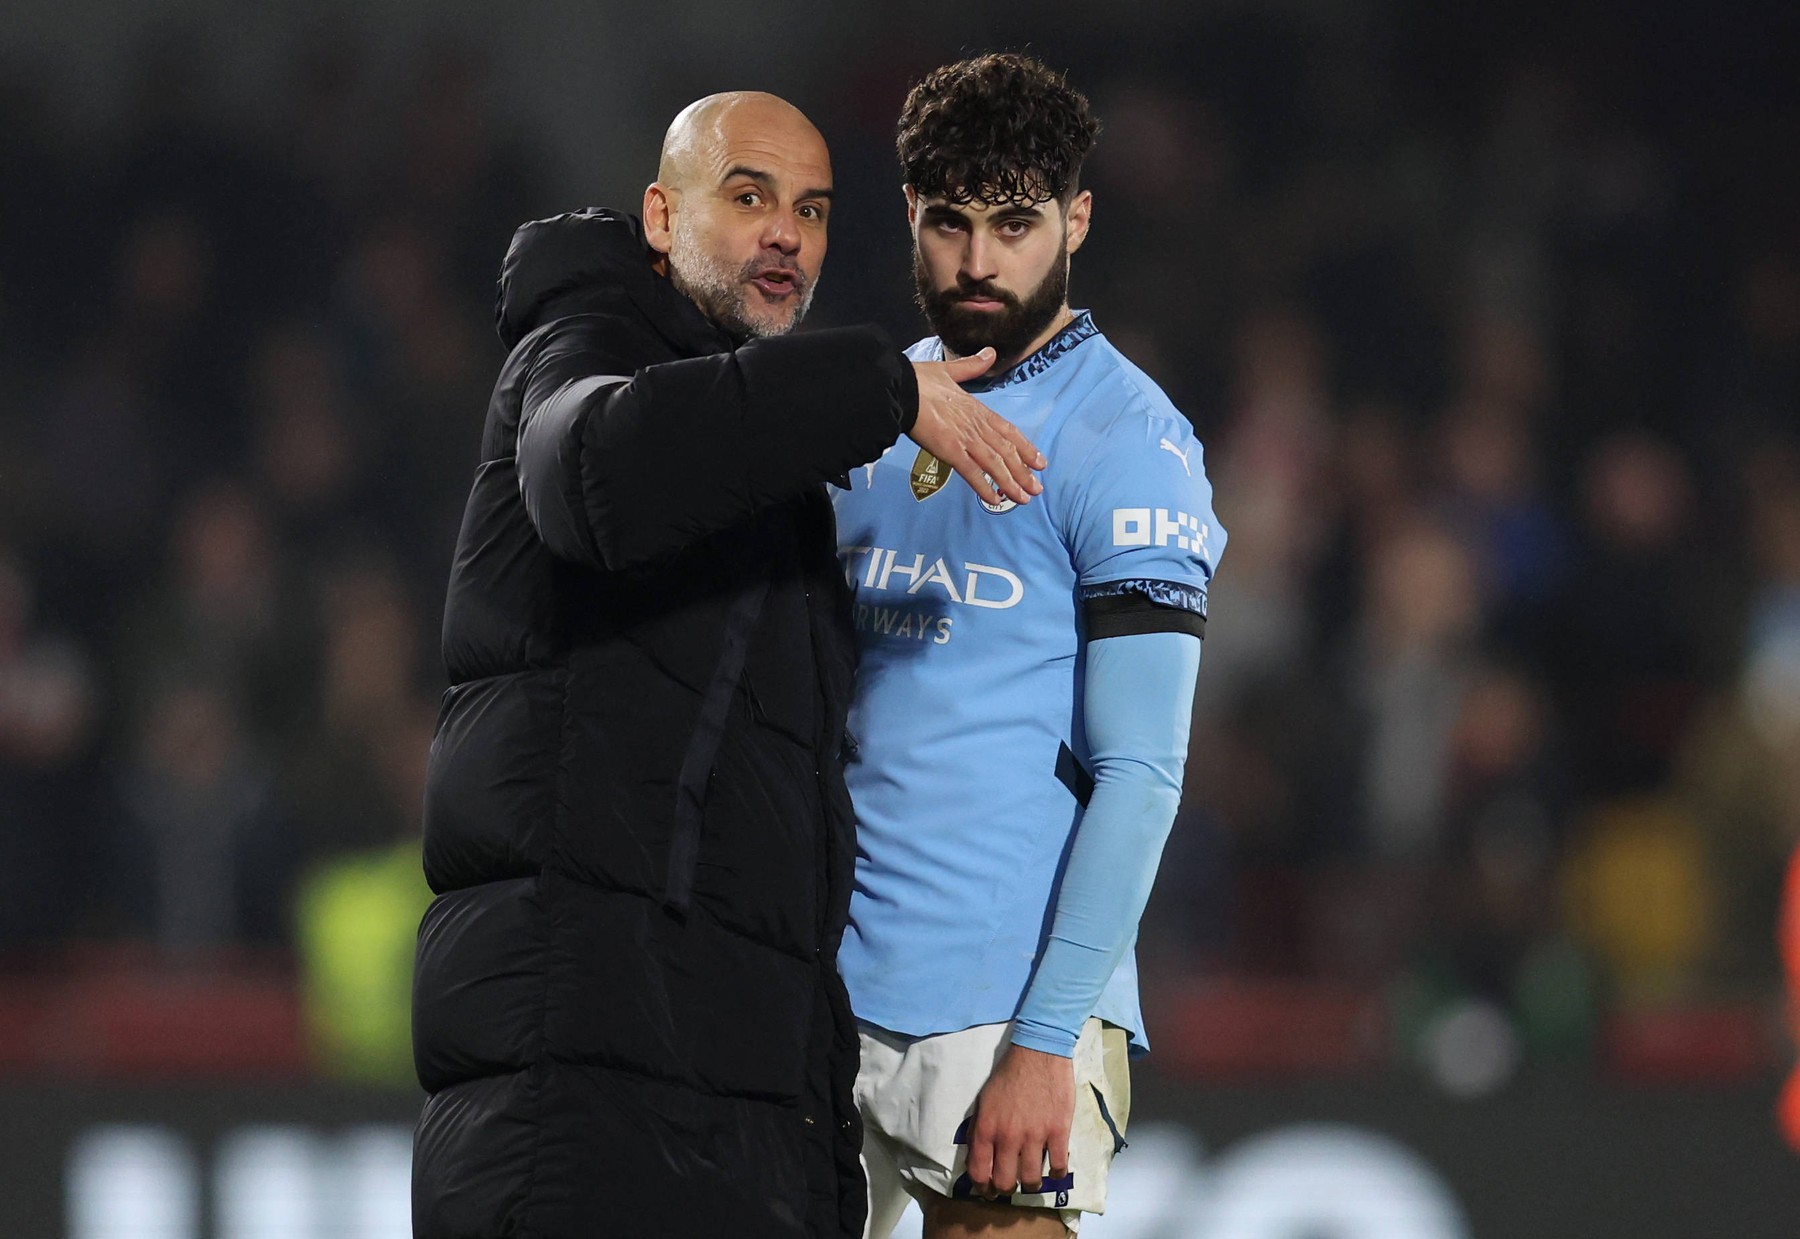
pixel 978 260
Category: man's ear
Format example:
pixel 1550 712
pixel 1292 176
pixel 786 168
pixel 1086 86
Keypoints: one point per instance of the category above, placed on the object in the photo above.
pixel 1080 215
pixel 912 205
pixel 660 204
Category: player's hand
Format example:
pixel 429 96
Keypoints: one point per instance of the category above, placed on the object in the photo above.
pixel 1022 1115
pixel 989 452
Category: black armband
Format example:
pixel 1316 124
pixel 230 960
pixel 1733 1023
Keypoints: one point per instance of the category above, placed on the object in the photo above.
pixel 1127 608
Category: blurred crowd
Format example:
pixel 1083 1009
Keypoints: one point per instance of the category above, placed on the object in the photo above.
pixel 240 389
pixel 1497 362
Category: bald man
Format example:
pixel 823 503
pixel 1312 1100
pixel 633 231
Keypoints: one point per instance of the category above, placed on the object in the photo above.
pixel 627 1012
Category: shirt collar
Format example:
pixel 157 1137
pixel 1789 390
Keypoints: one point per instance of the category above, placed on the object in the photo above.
pixel 1080 328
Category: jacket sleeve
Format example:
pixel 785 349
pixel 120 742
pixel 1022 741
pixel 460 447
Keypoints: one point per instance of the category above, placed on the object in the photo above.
pixel 621 469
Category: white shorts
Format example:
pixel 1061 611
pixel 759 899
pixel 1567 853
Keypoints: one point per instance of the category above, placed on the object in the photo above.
pixel 915 1094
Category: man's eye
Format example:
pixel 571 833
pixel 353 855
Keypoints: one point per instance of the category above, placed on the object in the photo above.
pixel 809 211
pixel 749 198
pixel 1014 228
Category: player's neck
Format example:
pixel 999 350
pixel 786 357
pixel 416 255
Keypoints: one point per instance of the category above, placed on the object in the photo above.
pixel 1064 316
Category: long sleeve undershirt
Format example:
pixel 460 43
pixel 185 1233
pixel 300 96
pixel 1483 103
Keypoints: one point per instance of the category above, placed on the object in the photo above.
pixel 1137 704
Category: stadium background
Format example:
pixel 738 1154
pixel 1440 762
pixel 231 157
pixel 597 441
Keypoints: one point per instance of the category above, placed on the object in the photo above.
pixel 1488 314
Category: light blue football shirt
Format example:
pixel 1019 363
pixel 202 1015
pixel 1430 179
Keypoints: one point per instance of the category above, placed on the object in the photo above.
pixel 971 755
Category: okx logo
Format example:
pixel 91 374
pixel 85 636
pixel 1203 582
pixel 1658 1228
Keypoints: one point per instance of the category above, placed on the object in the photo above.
pixel 1159 527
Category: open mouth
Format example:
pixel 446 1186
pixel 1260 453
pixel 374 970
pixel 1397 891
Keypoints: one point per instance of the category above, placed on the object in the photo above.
pixel 776 282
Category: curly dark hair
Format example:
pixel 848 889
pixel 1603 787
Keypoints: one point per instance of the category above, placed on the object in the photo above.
pixel 1000 128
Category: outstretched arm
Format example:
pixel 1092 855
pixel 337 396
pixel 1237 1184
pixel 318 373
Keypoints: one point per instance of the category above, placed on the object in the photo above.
pixel 623 469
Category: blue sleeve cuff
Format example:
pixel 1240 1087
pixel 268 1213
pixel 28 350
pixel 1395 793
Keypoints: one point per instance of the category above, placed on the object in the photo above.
pixel 1034 1036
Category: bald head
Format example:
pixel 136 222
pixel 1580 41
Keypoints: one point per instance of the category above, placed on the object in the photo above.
pixel 706 126
pixel 738 208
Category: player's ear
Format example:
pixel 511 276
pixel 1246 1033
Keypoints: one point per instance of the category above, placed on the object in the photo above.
pixel 1079 215
pixel 912 205
pixel 659 217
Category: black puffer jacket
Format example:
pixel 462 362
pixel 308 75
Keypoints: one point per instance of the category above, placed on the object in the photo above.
pixel 626 1006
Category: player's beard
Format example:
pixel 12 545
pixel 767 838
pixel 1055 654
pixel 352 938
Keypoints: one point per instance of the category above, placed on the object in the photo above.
pixel 1008 331
pixel 725 294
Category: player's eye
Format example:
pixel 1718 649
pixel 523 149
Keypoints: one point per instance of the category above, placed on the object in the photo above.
pixel 749 197
pixel 809 210
pixel 1013 229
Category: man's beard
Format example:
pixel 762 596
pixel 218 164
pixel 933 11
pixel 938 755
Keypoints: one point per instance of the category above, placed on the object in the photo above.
pixel 1009 331
pixel 726 295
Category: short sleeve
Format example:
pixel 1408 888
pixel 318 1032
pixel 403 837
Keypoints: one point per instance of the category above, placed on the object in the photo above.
pixel 1143 535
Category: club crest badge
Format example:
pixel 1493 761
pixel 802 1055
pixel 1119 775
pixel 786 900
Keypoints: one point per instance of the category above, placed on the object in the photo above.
pixel 928 475
pixel 1005 504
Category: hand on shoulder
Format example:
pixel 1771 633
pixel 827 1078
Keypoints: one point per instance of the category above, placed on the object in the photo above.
pixel 990 453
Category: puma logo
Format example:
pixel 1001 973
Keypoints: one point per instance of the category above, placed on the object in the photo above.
pixel 1179 454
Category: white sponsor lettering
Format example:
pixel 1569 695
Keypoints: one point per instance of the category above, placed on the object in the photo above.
pixel 910 571
pixel 970 584
pixel 1015 587
pixel 940 573
pixel 1131 526
pixel 1159 527
pixel 266 1180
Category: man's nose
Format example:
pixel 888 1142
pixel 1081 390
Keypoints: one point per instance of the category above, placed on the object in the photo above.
pixel 978 260
pixel 782 232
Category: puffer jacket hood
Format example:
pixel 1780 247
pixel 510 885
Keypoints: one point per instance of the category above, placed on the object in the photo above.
pixel 591 252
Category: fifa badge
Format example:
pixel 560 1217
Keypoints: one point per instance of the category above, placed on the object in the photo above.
pixel 928 475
